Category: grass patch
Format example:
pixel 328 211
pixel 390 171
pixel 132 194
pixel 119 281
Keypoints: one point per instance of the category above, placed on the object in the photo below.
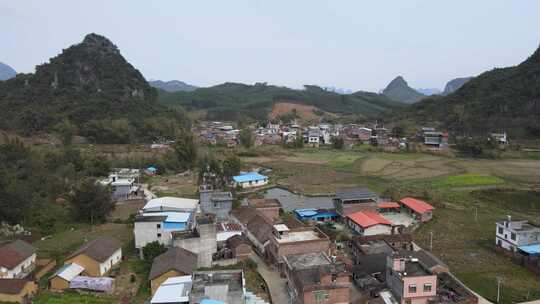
pixel 467 180
pixel 72 297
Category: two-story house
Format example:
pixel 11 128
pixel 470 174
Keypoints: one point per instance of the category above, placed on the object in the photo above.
pixel 409 280
pixel 215 202
pixel 510 235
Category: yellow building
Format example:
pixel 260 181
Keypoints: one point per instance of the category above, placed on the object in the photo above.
pixel 17 290
pixel 98 256
pixel 173 263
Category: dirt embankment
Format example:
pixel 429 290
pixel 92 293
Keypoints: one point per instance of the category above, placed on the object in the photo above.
pixel 304 111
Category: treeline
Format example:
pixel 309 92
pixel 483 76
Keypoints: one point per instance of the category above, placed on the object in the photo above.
pixel 44 188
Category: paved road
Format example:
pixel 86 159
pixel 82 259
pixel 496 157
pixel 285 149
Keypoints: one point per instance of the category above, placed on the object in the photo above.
pixel 276 284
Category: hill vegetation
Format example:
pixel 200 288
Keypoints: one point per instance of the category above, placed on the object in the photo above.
pixel 90 86
pixel 172 86
pixel 399 90
pixel 235 101
pixel 504 99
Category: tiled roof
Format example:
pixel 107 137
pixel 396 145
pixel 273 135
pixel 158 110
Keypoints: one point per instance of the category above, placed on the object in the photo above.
pixel 12 286
pixel 388 205
pixel 15 253
pixel 417 205
pixel 244 214
pixel 175 258
pixel 367 219
pixel 355 193
pixel 99 249
pixel 260 228
pixel 236 241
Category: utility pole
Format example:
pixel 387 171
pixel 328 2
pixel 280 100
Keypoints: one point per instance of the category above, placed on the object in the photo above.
pixel 499 281
pixel 431 241
pixel 476 214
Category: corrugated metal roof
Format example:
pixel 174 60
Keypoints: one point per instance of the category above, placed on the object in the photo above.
pixel 355 193
pixel 417 205
pixel 173 290
pixel 172 202
pixel 247 177
pixel 69 271
pixel 531 249
pixel 367 219
pixel 171 216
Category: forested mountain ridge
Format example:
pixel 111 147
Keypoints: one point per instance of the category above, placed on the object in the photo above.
pixel 232 101
pixel 87 81
pixel 503 99
pixel 172 86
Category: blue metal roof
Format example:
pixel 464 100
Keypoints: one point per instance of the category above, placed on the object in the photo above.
pixel 531 249
pixel 249 177
pixel 306 212
pixel 210 301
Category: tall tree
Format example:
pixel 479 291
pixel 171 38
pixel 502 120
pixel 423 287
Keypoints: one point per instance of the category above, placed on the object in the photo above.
pixel 185 149
pixel 91 201
pixel 231 167
pixel 246 138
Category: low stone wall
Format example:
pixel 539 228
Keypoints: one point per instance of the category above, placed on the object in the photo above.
pixel 226 262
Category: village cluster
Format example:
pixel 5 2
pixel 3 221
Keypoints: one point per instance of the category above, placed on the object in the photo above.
pixel 379 260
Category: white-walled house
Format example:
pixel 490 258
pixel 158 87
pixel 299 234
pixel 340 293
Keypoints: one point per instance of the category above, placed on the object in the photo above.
pixel 251 179
pixel 17 260
pixel 510 235
pixel 369 223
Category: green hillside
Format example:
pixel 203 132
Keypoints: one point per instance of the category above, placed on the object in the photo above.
pixel 504 99
pixel 232 101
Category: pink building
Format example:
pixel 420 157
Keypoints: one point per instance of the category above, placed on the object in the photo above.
pixel 409 281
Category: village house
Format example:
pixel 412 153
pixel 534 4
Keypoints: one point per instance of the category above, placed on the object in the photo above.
pixel 409 281
pixel 201 240
pixel 500 138
pixel 239 247
pixel 17 260
pixel 160 217
pixel 172 263
pixel 60 280
pixel 243 215
pixel 17 291
pixel 220 286
pixel 435 139
pixel 249 180
pixel 269 208
pixel 98 256
pixel 226 230
pixel 173 290
pixel 314 278
pixel 515 235
pixel 313 215
pixel 420 210
pixel 215 202
pixel 350 200
pixel 312 138
pixel 258 232
pixel 368 223
pixel 364 135
pixel 284 241
pixel 122 188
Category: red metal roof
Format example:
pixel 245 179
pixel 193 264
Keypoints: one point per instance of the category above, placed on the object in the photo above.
pixel 366 219
pixel 388 205
pixel 416 205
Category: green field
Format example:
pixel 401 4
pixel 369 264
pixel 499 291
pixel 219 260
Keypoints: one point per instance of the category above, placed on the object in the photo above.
pixel 72 298
pixel 467 180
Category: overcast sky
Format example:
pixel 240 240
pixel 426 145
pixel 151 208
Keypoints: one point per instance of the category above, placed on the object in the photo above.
pixel 347 44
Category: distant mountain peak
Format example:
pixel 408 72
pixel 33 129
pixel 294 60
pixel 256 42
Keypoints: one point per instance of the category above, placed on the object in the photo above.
pixel 172 86
pixel 454 85
pixel 6 72
pixel 398 90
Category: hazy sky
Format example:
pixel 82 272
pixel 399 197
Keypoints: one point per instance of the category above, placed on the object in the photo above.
pixel 348 44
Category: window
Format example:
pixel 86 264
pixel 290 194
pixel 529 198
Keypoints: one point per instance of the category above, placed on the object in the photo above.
pixel 158 226
pixel 513 236
pixel 500 230
pixel 321 296
pixel 216 205
pixel 427 287
pixel 159 235
pixel 412 287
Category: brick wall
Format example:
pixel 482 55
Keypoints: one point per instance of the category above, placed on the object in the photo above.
pixel 336 296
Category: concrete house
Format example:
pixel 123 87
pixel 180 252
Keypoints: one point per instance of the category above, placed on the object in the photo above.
pixel 202 240
pixel 215 202
pixel 284 241
pixel 368 223
pixel 511 235
pixel 173 290
pixel 17 260
pixel 160 217
pixel 122 187
pixel 172 263
pixel 98 256
pixel 17 291
pixel 314 278
pixel 249 180
pixel 350 200
pixel 219 286
pixel 420 210
pixel 409 281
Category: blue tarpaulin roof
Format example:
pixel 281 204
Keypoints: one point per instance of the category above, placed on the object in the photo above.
pixel 249 177
pixel 531 249
pixel 209 301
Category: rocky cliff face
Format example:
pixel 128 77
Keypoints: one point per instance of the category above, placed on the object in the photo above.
pixel 454 84
pixel 87 81
pixel 6 72
pixel 399 90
